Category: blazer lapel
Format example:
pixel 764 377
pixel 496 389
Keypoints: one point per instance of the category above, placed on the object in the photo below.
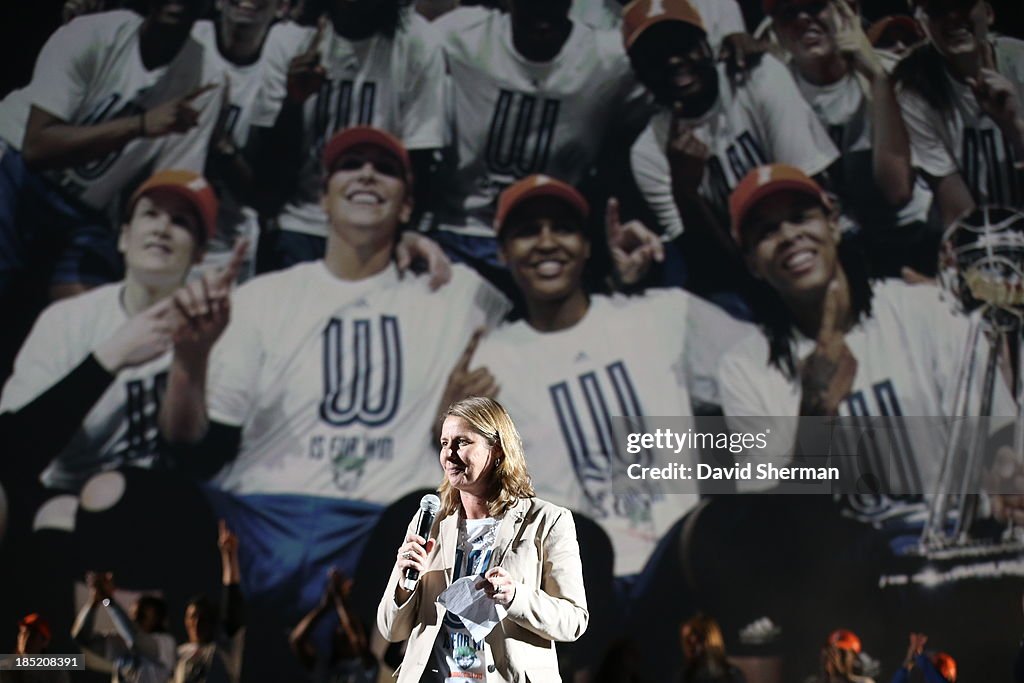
pixel 509 529
pixel 447 539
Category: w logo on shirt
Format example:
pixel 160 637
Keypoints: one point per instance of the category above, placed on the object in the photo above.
pixel 339 105
pixel 522 129
pixel 110 108
pixel 141 407
pixel 587 425
pixel 362 371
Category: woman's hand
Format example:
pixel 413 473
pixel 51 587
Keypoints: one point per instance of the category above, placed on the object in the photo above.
pixel 413 553
pixel 499 586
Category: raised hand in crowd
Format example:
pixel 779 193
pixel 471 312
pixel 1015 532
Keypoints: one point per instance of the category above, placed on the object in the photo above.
pixel 463 382
pixel 205 308
pixel 227 543
pixel 997 97
pixel 350 641
pixel 305 72
pixel 633 246
pixel 914 649
pixel 101 586
pixel 853 43
pixel 826 376
pixel 174 116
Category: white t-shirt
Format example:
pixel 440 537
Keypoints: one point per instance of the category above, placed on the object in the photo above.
pixel 765 120
pixel 908 353
pixel 336 384
pixel 564 387
pixel 843 109
pixel 721 17
pixel 121 428
pixel 513 117
pixel 966 141
pixel 457 657
pixel 396 84
pixel 234 218
pixel 90 71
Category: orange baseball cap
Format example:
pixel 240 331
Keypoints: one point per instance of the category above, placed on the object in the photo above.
pixel 765 181
pixel 844 640
pixel 366 135
pixel 945 665
pixel 878 30
pixel 534 186
pixel 640 15
pixel 35 622
pixel 187 185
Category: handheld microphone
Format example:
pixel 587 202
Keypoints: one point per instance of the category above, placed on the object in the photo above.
pixel 429 505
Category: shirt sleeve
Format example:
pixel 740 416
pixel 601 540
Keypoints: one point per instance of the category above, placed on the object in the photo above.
pixel 491 304
pixel 283 43
pixel 794 133
pixel 43 360
pixel 235 362
pixel 423 101
pixel 706 327
pixel 65 67
pixel 928 151
pixel 652 175
pixel 757 398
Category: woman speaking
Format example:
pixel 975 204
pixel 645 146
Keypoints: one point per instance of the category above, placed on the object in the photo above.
pixel 491 526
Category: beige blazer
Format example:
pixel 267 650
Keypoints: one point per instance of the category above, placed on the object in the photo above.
pixel 536 544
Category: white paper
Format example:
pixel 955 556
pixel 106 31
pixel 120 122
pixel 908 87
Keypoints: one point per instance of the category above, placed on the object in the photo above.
pixel 478 611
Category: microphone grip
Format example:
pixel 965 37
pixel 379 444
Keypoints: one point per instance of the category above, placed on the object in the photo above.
pixel 426 520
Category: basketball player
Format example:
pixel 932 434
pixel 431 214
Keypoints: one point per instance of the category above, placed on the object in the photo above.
pixel 836 343
pixel 848 86
pixel 574 361
pixel 370 63
pixel 961 96
pixel 574 349
pixel 234 44
pixel 708 132
pixel 316 392
pixel 112 94
pixel 87 382
pixel 532 92
pixel 723 19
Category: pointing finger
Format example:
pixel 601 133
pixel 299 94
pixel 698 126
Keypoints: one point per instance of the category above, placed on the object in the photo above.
pixel 829 315
pixel 467 353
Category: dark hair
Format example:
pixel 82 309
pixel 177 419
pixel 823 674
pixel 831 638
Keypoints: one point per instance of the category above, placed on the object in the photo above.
pixel 923 72
pixel 775 319
pixel 159 608
pixel 384 17
pixel 204 606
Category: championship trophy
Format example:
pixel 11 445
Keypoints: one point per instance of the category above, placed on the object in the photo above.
pixel 982 267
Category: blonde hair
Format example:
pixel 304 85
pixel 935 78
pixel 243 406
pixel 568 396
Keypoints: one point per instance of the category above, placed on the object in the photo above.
pixel 709 635
pixel 511 478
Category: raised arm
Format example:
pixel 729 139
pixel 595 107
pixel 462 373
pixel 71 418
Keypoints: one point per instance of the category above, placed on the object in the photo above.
pixel 51 142
pixel 205 309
